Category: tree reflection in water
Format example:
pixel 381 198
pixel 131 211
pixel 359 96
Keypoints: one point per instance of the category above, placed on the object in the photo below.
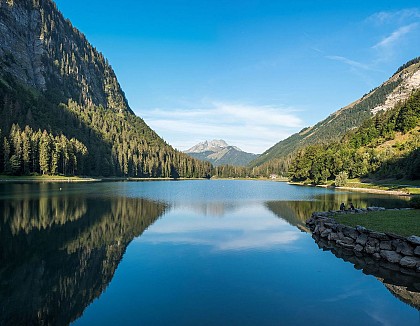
pixel 403 284
pixel 58 253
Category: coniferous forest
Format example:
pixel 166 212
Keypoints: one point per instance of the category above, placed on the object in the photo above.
pixel 385 146
pixel 62 110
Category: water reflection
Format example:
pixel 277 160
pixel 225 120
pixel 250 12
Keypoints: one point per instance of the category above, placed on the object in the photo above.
pixel 247 227
pixel 59 252
pixel 297 212
pixel 402 283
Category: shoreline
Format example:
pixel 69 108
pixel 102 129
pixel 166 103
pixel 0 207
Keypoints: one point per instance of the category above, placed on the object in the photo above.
pixel 358 189
pixel 72 179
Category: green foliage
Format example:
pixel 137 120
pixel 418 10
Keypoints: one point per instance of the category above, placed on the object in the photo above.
pixel 329 130
pixel 359 153
pixel 341 179
pixel 89 126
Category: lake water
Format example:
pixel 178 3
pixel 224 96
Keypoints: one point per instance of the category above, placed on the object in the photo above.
pixel 211 252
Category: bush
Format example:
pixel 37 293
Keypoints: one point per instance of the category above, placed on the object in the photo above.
pixel 415 202
pixel 341 179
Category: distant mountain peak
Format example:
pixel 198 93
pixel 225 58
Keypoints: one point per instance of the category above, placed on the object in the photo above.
pixel 214 145
pixel 218 152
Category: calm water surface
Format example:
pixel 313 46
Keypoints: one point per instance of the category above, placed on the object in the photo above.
pixel 185 253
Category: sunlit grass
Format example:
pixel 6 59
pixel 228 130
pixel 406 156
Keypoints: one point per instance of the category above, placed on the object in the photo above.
pixel 401 222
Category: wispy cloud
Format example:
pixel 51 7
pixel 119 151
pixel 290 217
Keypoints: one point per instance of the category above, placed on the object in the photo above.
pixel 398 16
pixel 351 63
pixel 395 36
pixel 253 128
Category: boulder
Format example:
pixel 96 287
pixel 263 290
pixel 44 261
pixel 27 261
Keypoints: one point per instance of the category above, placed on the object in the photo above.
pixel 405 249
pixel 350 232
pixel 358 248
pixel 417 251
pixel 361 229
pixel 410 262
pixel 385 245
pixel 370 249
pixel 414 240
pixel 390 256
pixel 325 233
pixel 378 235
pixel 362 239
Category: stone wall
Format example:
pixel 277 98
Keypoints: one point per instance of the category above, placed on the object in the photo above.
pixel 389 247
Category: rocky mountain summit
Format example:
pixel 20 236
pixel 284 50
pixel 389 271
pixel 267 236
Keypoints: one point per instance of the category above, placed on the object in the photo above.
pixel 218 152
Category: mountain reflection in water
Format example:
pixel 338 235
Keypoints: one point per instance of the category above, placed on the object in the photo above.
pixel 403 284
pixel 58 253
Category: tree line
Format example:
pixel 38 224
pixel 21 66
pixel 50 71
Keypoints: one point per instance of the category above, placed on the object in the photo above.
pixel 386 145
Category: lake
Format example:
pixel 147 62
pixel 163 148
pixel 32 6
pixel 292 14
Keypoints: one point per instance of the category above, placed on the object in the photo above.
pixel 200 252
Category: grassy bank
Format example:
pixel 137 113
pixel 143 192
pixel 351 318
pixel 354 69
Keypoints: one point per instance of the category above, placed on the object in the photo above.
pixel 44 178
pixel 411 187
pixel 404 223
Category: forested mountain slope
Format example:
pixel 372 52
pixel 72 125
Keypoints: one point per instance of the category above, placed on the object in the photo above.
pixel 55 86
pixel 397 88
pixel 385 146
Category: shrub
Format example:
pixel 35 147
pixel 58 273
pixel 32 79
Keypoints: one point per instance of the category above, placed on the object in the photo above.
pixel 341 179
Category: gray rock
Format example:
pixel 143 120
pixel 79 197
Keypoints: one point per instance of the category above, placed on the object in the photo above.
pixel 333 236
pixel 377 256
pixel 378 235
pixel 417 251
pixel 385 245
pixel 405 249
pixel 325 233
pixel 350 232
pixel 361 229
pixel 414 240
pixel 362 239
pixel 410 262
pixel 345 245
pixel 390 256
pixel 358 248
pixel 369 249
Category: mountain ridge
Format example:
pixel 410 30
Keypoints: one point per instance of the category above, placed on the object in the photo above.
pixel 218 152
pixel 53 81
pixel 397 88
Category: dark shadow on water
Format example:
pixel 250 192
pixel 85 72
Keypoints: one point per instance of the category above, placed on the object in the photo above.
pixel 58 253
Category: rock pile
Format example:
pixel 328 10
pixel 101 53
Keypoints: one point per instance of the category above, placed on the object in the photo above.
pixel 381 246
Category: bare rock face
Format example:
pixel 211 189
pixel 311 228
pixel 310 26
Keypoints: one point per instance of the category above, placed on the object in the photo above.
pixel 41 49
pixel 21 48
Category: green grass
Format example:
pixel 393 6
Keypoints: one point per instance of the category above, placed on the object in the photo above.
pixel 4 177
pixel 404 223
pixel 411 187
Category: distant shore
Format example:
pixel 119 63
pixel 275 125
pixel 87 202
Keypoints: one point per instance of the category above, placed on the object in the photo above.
pixel 368 189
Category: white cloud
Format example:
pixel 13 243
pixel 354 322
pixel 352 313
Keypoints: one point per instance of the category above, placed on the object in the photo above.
pixel 238 231
pixel 395 36
pixel 252 128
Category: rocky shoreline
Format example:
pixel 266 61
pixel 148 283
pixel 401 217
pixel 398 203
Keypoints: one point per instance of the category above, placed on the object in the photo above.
pixel 402 252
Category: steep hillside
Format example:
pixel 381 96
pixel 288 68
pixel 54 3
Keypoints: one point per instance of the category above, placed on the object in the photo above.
pixel 218 152
pixel 397 88
pixel 53 79
pixel 385 146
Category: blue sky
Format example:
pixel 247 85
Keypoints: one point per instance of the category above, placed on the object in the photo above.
pixel 249 72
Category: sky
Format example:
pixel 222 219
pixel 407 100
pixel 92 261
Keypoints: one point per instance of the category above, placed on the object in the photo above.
pixel 251 72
